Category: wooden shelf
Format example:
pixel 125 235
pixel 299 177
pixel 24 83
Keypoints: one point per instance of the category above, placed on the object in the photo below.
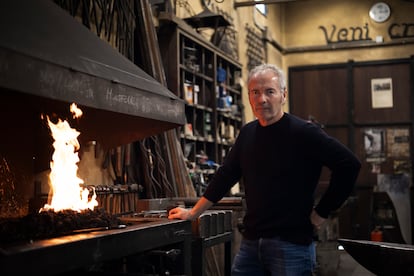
pixel 209 82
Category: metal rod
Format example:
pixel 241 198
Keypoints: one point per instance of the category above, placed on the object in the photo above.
pixel 253 3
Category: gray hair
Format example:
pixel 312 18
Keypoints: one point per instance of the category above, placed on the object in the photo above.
pixel 265 67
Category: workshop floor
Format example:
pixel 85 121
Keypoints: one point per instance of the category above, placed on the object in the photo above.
pixel 336 262
pixel 347 266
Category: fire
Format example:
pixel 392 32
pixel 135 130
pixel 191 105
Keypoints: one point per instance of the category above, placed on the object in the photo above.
pixel 65 185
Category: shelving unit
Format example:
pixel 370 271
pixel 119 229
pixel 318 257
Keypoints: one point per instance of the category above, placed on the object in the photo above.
pixel 384 218
pixel 208 80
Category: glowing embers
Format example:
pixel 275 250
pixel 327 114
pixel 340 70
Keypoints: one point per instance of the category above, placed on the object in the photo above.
pixel 66 192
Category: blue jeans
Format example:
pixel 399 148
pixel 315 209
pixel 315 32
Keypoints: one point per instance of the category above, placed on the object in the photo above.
pixel 274 257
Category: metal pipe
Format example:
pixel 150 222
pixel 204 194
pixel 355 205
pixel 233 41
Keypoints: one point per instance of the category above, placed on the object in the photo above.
pixel 253 3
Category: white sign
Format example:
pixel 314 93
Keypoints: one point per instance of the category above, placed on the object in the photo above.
pixel 381 93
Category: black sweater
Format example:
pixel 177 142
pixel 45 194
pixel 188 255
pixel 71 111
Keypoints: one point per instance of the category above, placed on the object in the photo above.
pixel 280 166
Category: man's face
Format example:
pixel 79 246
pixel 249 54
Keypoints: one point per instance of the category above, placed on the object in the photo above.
pixel 265 97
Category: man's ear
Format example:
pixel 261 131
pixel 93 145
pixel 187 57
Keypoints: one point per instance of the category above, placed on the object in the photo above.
pixel 284 93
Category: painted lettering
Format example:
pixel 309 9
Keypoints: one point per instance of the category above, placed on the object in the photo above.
pixel 403 30
pixel 342 35
pixel 328 39
pixel 409 29
pixel 357 33
pixel 346 34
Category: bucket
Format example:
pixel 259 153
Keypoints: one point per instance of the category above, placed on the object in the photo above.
pixel 376 235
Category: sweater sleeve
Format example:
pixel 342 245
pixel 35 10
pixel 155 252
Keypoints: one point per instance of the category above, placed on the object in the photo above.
pixel 228 174
pixel 344 167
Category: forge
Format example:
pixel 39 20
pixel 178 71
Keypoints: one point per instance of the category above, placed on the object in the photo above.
pixel 50 224
pixel 49 60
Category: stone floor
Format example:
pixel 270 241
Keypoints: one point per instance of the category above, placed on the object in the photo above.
pixel 347 266
pixel 335 262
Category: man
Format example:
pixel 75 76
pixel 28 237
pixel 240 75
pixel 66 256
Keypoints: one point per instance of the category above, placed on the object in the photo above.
pixel 279 158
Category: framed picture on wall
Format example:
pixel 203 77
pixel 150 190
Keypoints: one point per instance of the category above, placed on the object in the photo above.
pixel 374 144
pixel 398 142
pixel 381 93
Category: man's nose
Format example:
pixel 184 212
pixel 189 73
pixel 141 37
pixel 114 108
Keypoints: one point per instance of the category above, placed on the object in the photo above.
pixel 261 97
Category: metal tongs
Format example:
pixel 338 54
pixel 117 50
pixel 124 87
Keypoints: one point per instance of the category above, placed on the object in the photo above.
pixel 94 229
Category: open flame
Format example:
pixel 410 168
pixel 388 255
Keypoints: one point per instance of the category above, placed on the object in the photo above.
pixel 65 185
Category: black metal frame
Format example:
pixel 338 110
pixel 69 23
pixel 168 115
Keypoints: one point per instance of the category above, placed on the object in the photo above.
pixel 81 251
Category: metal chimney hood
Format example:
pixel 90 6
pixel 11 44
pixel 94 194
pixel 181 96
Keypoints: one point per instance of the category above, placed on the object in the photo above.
pixel 49 60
